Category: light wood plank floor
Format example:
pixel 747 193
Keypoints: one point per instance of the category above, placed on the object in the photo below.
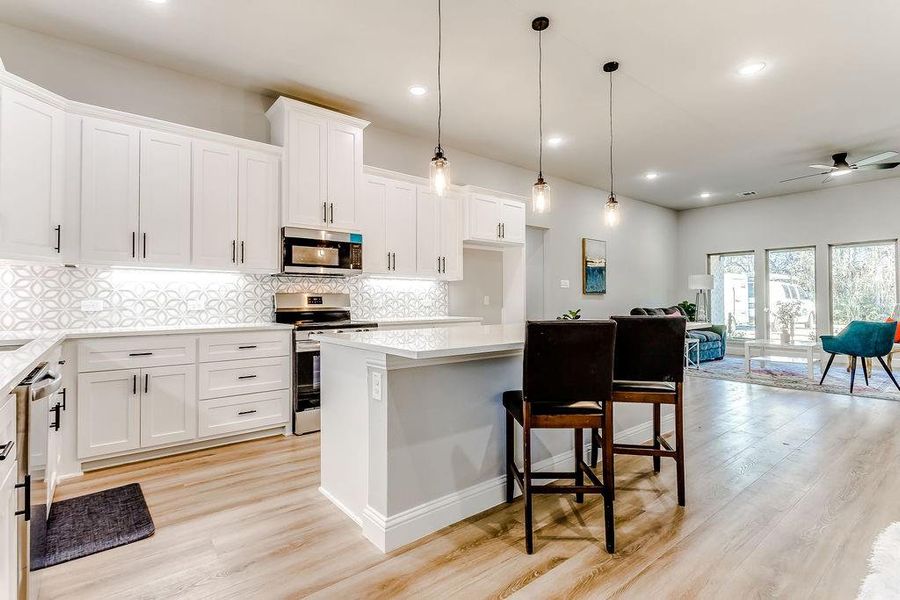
pixel 786 493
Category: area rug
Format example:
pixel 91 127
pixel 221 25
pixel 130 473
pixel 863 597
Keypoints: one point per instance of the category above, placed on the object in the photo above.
pixel 793 376
pixel 85 525
pixel 883 580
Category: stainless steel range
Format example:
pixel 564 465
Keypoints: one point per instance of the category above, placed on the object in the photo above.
pixel 309 314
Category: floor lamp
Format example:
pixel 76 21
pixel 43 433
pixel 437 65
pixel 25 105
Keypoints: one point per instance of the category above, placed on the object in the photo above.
pixel 701 283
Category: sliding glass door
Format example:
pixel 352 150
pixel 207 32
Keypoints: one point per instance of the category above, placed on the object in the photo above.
pixel 733 295
pixel 791 293
pixel 863 282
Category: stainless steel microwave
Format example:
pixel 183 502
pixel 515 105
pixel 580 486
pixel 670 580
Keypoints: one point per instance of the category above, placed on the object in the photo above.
pixel 316 252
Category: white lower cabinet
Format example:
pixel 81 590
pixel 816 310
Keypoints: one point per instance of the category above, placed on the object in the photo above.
pixel 109 412
pixel 240 413
pixel 168 405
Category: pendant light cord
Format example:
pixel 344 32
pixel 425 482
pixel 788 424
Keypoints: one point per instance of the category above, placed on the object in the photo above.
pixel 440 104
pixel 612 186
pixel 540 104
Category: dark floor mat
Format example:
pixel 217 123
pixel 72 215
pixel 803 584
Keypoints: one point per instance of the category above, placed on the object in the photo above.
pixel 89 524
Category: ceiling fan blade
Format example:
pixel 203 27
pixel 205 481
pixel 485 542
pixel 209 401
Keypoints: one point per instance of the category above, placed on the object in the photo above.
pixel 876 158
pixel 877 167
pixel 829 167
pixel 804 177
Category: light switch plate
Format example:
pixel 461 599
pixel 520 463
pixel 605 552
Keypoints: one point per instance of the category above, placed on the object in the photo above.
pixel 487 300
pixel 91 305
pixel 376 385
pixel 564 283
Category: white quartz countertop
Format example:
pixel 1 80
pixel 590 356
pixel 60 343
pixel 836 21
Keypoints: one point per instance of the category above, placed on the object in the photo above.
pixel 16 364
pixel 440 342
pixel 426 320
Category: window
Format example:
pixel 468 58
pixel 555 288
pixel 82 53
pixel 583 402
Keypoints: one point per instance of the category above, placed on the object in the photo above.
pixel 733 296
pixel 863 282
pixel 791 294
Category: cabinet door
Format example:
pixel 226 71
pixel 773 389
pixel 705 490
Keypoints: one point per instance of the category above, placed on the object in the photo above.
pixel 9 536
pixel 32 176
pixel 54 448
pixel 306 155
pixel 165 206
pixel 451 237
pixel 37 434
pixel 484 218
pixel 512 216
pixel 110 191
pixel 371 220
pixel 345 149
pixel 168 404
pixel 258 212
pixel 400 227
pixel 109 413
pixel 215 211
pixel 428 236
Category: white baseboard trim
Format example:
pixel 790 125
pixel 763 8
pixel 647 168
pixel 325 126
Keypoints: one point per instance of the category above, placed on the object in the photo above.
pixel 340 505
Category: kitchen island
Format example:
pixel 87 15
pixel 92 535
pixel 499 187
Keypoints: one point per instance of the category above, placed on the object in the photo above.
pixel 413 426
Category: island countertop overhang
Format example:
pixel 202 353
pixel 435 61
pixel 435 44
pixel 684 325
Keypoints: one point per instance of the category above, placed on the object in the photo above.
pixel 440 342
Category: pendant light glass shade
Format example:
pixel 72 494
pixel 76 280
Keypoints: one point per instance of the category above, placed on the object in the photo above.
pixel 439 173
pixel 540 197
pixel 612 211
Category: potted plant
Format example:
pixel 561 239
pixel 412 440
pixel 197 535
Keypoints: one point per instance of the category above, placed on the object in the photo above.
pixel 786 314
pixel 570 315
pixel 689 308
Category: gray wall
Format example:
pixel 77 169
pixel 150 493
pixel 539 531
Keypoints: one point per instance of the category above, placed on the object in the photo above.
pixel 481 278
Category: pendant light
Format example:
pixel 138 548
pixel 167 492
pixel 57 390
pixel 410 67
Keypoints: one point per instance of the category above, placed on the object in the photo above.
pixel 439 169
pixel 612 205
pixel 540 191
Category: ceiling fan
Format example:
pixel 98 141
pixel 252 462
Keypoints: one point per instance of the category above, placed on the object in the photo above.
pixel 842 167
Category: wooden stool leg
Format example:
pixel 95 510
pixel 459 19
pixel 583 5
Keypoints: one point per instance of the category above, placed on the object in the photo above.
pixel 579 452
pixel 657 431
pixel 594 448
pixel 609 478
pixel 529 525
pixel 679 443
pixel 510 456
pixel 609 523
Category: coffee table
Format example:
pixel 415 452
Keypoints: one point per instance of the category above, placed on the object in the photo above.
pixel 809 353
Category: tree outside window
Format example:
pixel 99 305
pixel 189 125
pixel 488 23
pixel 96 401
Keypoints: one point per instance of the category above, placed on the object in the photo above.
pixel 863 282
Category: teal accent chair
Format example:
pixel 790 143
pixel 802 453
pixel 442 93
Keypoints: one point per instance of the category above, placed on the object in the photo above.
pixel 861 339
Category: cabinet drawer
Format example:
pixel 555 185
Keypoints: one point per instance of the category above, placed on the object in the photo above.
pixel 8 433
pixel 136 352
pixel 240 413
pixel 234 377
pixel 253 344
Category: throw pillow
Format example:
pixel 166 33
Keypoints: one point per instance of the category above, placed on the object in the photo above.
pixel 897 333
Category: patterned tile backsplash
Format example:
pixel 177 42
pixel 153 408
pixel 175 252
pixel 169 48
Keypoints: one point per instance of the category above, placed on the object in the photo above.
pixel 38 297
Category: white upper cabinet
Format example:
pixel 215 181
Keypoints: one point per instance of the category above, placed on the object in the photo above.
pixel 495 219
pixel 215 208
pixel 110 191
pixel 32 177
pixel 439 235
pixel 371 220
pixel 451 228
pixel 258 212
pixel 400 227
pixel 322 170
pixel 165 199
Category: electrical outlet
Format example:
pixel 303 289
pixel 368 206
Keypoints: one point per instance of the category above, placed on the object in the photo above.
pixel 376 385
pixel 91 305
pixel 196 305
pixel 564 283
pixel 487 300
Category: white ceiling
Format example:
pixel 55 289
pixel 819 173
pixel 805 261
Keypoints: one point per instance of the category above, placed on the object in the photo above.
pixel 832 82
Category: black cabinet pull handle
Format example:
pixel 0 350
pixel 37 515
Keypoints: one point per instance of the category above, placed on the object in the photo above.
pixel 234 251
pixel 58 238
pixel 146 382
pixel 324 212
pixel 332 212
pixel 63 394
pixel 242 252
pixel 140 354
pixel 134 385
pixel 27 510
pixel 133 242
pixel 247 377
pixel 55 424
pixel 247 412
pixel 247 347
pixel 6 450
pixel 145 244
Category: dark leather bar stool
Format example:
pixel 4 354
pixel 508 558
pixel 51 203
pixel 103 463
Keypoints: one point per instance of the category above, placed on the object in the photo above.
pixel 649 369
pixel 566 384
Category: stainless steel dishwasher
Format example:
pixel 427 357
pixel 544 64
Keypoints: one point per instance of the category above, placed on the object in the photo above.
pixel 40 383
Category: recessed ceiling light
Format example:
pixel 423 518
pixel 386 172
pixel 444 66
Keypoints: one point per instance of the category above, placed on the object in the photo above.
pixel 705 194
pixel 554 141
pixel 415 90
pixel 751 69
pixel 651 175
pixel 158 1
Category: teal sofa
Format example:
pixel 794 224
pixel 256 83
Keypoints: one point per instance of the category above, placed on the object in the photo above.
pixel 712 338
